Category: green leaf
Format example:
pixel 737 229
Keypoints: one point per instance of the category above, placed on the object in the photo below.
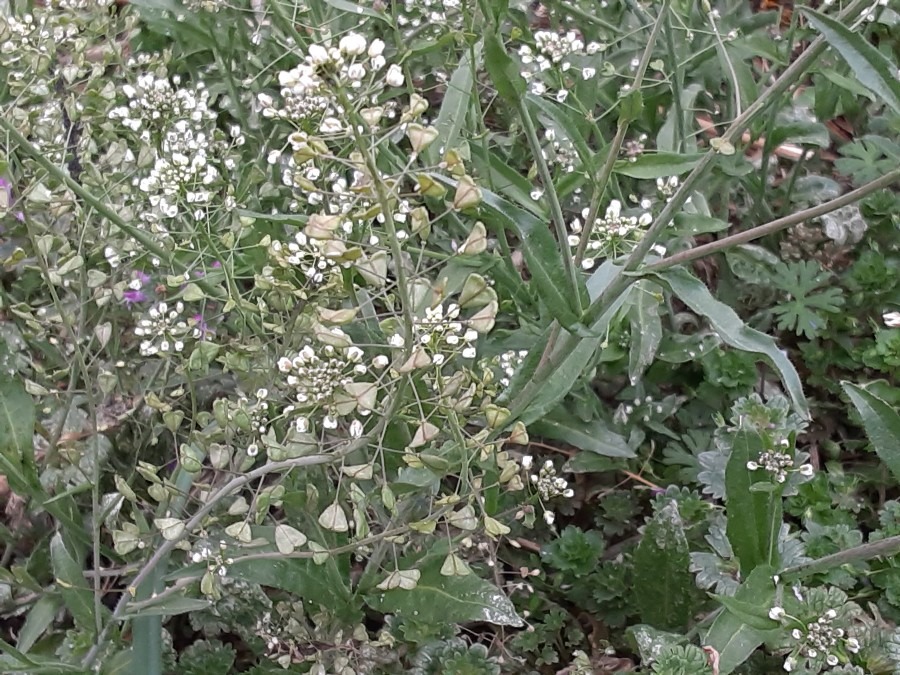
pixel 358 9
pixel 593 436
pixel 170 606
pixel 16 432
pixel 324 585
pixel 40 618
pixel 690 224
pixel 646 327
pixel 557 115
pixel 665 139
pixel 753 517
pixel 570 369
pixel 454 107
pixel 751 613
pixel 504 72
pixel 441 600
pixel 732 637
pixel 733 331
pixel 77 595
pixel 869 65
pixel 663 583
pixel 654 165
pixel 881 422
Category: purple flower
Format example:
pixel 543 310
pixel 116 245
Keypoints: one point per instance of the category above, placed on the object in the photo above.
pixel 131 297
pixel 6 198
pixel 142 277
pixel 201 326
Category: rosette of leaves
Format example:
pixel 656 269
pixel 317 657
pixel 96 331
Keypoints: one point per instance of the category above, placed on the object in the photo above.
pixel 454 657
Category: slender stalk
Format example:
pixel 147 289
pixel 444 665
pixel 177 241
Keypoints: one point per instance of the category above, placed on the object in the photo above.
pixel 623 279
pixel 774 226
pixel 863 552
pixel 603 176
pixel 556 214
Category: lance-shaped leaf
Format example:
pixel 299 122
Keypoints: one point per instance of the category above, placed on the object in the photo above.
pixel 646 328
pixel 870 66
pixel 733 331
pixel 753 515
pixel 881 422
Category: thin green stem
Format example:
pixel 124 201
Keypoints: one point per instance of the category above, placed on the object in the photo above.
pixel 556 214
pixel 677 85
pixel 602 179
pixel 861 553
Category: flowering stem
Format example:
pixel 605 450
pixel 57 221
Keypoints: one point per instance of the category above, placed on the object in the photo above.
pixel 773 226
pixel 602 179
pixel 790 76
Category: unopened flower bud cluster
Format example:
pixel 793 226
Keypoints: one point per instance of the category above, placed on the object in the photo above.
pixel 442 334
pixel 315 258
pixel 258 414
pixel 307 95
pixel 317 374
pixel 818 639
pixel 509 363
pixel 560 53
pixel 611 236
pixel 165 330
pixel 779 462
pixel 549 485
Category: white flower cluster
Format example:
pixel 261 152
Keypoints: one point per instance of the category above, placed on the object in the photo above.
pixel 320 377
pixel 258 417
pixel 509 362
pixel 559 151
pixel 429 18
pixel 666 187
pixel 555 51
pixel 306 90
pixel 817 639
pixel 181 172
pixel 315 258
pixel 215 560
pixel 156 101
pixel 548 484
pixel 27 48
pixel 779 463
pixel 442 334
pixel 164 330
pixel 611 236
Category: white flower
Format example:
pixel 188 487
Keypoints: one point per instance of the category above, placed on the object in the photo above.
pixel 789 663
pixel 752 466
pixel 352 44
pixel 394 76
pixel 776 613
pixel 806 470
pixel 527 461
pixel 252 450
pixel 549 517
pixel 852 645
pixel 318 54
pixel 380 361
pixel 892 319
pixel 356 429
pixel 376 48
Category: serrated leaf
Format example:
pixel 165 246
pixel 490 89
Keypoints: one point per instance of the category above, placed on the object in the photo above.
pixel 73 586
pixel 646 328
pixel 869 65
pixel 663 583
pixel 733 331
pixel 652 165
pixel 753 517
pixel 881 422
pixel 442 600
